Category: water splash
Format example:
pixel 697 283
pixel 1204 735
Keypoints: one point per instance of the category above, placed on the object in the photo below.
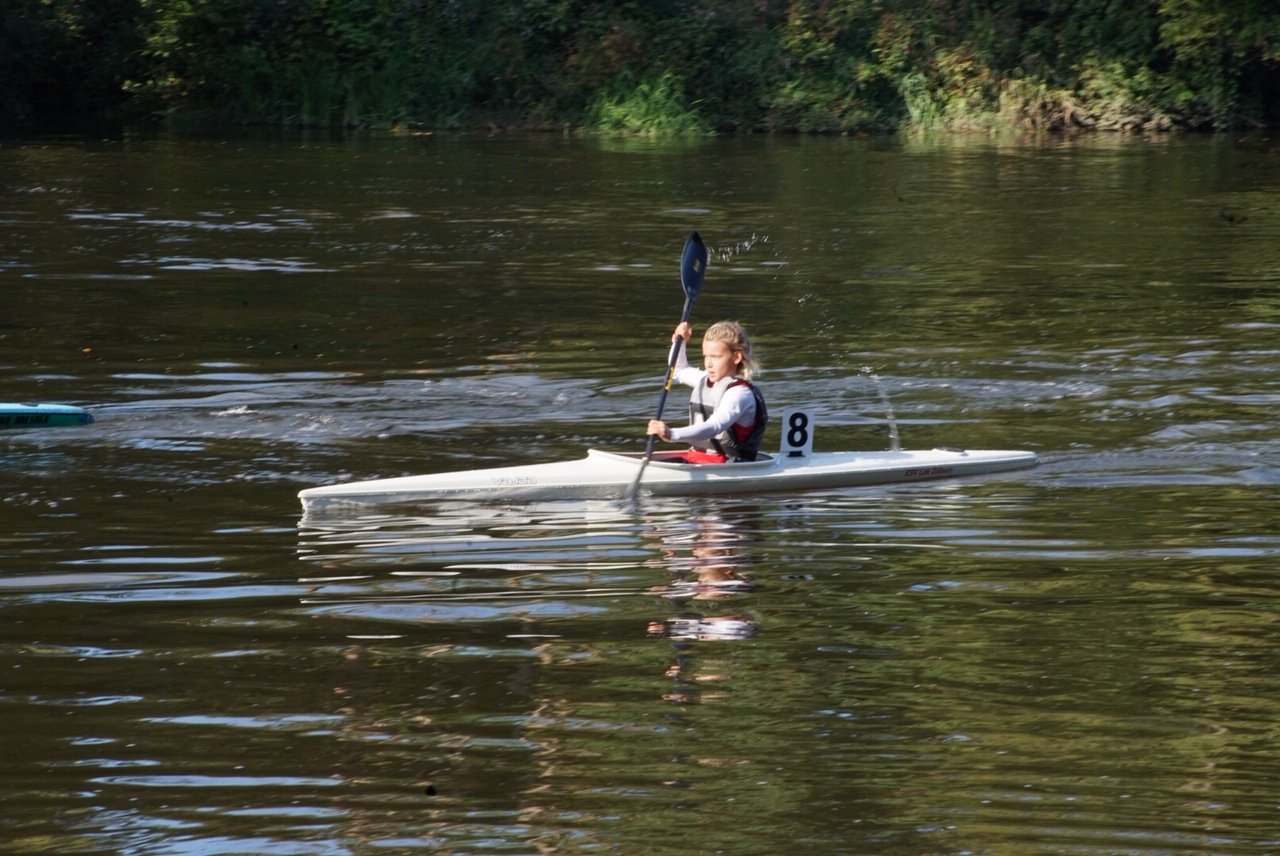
pixel 725 253
pixel 895 444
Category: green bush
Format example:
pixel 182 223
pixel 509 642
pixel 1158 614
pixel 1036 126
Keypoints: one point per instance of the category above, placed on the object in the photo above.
pixel 651 67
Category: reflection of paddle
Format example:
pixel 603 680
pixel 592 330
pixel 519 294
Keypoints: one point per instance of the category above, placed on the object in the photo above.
pixel 693 267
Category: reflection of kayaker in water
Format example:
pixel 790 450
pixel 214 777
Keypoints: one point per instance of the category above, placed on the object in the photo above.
pixel 727 413
pixel 705 554
pixel 710 571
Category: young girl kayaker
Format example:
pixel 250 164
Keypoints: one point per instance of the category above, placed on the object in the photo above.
pixel 727 413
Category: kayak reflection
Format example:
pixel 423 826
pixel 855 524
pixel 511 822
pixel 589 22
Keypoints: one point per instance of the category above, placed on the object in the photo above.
pixel 548 579
pixel 548 562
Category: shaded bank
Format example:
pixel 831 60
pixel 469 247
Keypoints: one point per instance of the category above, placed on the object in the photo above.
pixel 682 66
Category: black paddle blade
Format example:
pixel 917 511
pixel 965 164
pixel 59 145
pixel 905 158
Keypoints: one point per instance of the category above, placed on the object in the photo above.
pixel 693 265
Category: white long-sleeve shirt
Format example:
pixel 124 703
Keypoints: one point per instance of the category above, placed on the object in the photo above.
pixel 737 405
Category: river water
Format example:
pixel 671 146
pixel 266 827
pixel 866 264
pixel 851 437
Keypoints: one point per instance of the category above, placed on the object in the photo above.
pixel 1079 658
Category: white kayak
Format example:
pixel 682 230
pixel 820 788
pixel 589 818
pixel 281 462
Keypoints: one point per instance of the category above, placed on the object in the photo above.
pixel 605 475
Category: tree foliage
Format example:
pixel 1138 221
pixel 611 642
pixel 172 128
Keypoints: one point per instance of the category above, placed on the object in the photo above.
pixel 650 66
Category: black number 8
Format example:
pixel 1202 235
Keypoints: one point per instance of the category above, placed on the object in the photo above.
pixel 798 429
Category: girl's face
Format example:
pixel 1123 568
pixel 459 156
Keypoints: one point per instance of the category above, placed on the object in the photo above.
pixel 719 360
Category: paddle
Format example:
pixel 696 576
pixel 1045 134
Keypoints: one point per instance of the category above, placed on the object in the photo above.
pixel 693 267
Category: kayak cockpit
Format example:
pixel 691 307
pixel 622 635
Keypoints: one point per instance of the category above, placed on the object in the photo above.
pixel 675 460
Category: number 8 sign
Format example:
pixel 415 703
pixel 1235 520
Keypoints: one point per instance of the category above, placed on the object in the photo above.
pixel 797 433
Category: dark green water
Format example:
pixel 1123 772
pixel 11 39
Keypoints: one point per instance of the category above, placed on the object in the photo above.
pixel 1077 658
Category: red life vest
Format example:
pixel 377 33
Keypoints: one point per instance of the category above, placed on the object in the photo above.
pixel 739 442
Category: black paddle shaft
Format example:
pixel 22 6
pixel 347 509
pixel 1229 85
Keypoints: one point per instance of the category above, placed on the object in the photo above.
pixel 693 267
pixel 671 373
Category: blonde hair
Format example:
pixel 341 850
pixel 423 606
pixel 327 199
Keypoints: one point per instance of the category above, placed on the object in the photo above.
pixel 735 337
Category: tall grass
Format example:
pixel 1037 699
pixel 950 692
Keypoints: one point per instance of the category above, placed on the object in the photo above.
pixel 652 109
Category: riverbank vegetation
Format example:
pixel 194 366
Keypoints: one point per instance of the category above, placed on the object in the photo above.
pixel 648 66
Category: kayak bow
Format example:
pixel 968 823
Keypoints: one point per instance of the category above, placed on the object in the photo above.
pixel 42 415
